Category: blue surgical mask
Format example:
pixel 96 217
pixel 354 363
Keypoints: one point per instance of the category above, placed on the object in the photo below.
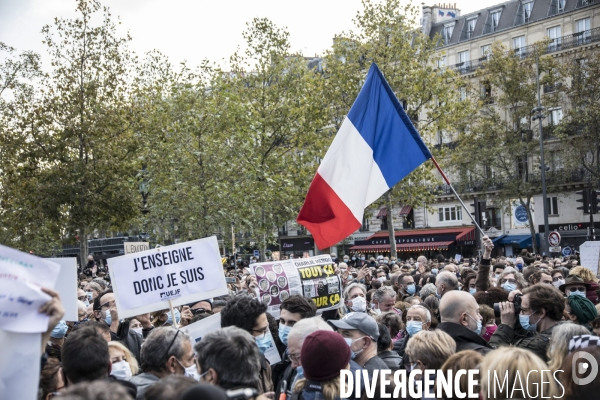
pixel 362 259
pixel 413 327
pixel 410 289
pixel 437 294
pixel 352 353
pixel 434 271
pixel 170 318
pixel 509 287
pixel 479 326
pixel 108 317
pixel 264 343
pixel 299 375
pixel 284 331
pixel 353 258
pixel 577 293
pixel 520 266
pixel 59 330
pixel 524 320
pixel 472 291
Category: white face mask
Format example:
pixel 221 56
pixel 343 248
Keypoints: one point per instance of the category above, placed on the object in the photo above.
pixel 137 330
pixel 121 370
pixel 558 283
pixel 359 304
pixel 382 279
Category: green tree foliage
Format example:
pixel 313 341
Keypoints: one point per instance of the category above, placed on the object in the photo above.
pixel 77 145
pixel 499 150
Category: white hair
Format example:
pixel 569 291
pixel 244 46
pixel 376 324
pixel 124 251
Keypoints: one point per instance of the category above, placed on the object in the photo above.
pixel 420 307
pixel 81 306
pixel 306 326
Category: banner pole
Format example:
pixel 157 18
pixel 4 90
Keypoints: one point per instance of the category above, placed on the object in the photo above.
pixel 457 196
pixel 173 315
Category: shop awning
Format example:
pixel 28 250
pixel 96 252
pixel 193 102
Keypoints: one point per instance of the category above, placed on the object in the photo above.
pixel 382 212
pixel 498 239
pixel 403 247
pixel 523 241
pixel 405 211
pixel 459 231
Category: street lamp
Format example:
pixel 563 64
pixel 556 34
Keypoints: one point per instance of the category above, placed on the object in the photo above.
pixel 540 116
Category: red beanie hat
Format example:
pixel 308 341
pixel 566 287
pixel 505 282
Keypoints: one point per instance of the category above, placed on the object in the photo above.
pixel 323 355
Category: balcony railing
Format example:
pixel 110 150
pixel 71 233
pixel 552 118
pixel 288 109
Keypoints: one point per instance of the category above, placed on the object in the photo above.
pixel 558 44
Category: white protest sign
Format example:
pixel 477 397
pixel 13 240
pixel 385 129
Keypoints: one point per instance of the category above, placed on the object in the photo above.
pixel 457 258
pixel 21 278
pixel 19 365
pixel 312 277
pixel 66 286
pixel 199 329
pixel 589 255
pixel 183 273
pixel 135 247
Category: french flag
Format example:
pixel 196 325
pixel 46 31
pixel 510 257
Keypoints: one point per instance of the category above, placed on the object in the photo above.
pixel 376 147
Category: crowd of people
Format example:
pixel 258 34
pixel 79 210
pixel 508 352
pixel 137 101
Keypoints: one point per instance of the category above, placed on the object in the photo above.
pixel 507 316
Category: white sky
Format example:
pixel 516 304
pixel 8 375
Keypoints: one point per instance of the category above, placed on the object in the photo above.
pixel 194 30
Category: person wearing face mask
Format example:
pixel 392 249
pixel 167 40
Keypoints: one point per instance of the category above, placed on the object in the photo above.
pixel 384 299
pixel 293 309
pixel 511 280
pixel 249 314
pixel 469 283
pixel 461 320
pixel 57 339
pixel 558 278
pixel 164 318
pixel 355 299
pixel 418 318
pixel 105 310
pixel 361 332
pixel 542 308
pixel 574 285
pixel 406 286
pixel 489 322
pixel 166 351
pixel 124 364
pixel 581 310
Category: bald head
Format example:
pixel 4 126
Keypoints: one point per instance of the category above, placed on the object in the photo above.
pixel 455 303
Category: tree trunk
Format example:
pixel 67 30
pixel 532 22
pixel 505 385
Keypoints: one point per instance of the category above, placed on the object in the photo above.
pixel 263 240
pixel 390 224
pixel 83 247
pixel 531 225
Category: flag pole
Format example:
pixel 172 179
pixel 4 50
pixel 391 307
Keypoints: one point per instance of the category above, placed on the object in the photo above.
pixel 456 194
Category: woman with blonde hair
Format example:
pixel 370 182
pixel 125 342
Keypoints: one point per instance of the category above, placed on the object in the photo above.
pixel 124 364
pixel 322 371
pixel 515 373
pixel 558 347
pixel 463 360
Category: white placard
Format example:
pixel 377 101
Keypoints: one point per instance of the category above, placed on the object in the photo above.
pixel 66 286
pixel 135 247
pixel 20 365
pixel 589 255
pixel 21 278
pixel 183 273
pixel 201 328
pixel 457 258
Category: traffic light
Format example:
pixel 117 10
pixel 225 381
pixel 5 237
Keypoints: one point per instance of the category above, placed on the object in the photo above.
pixel 594 201
pixel 585 199
pixel 479 209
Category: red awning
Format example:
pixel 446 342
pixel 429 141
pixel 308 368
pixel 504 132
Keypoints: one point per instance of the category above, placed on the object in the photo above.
pixel 382 212
pixel 403 247
pixel 468 235
pixel 405 211
pixel 459 231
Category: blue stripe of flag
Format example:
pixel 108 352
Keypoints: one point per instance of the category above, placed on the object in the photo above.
pixel 382 122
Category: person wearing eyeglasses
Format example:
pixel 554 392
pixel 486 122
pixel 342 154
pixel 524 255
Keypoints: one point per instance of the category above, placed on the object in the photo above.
pixel 105 310
pixel 249 314
pixel 542 308
pixel 166 351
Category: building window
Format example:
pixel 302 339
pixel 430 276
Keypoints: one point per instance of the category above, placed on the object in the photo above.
pixel 494 218
pixel 519 46
pixel 527 7
pixel 450 214
pixel 365 224
pixel 561 5
pixel 464 62
pixel 471 27
pixel 384 224
pixel 582 29
pixel 486 92
pixel 554 34
pixel 486 51
pixel 441 62
pixel 494 20
pixel 555 116
pixel 552 203
pixel 462 93
pixel 447 33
